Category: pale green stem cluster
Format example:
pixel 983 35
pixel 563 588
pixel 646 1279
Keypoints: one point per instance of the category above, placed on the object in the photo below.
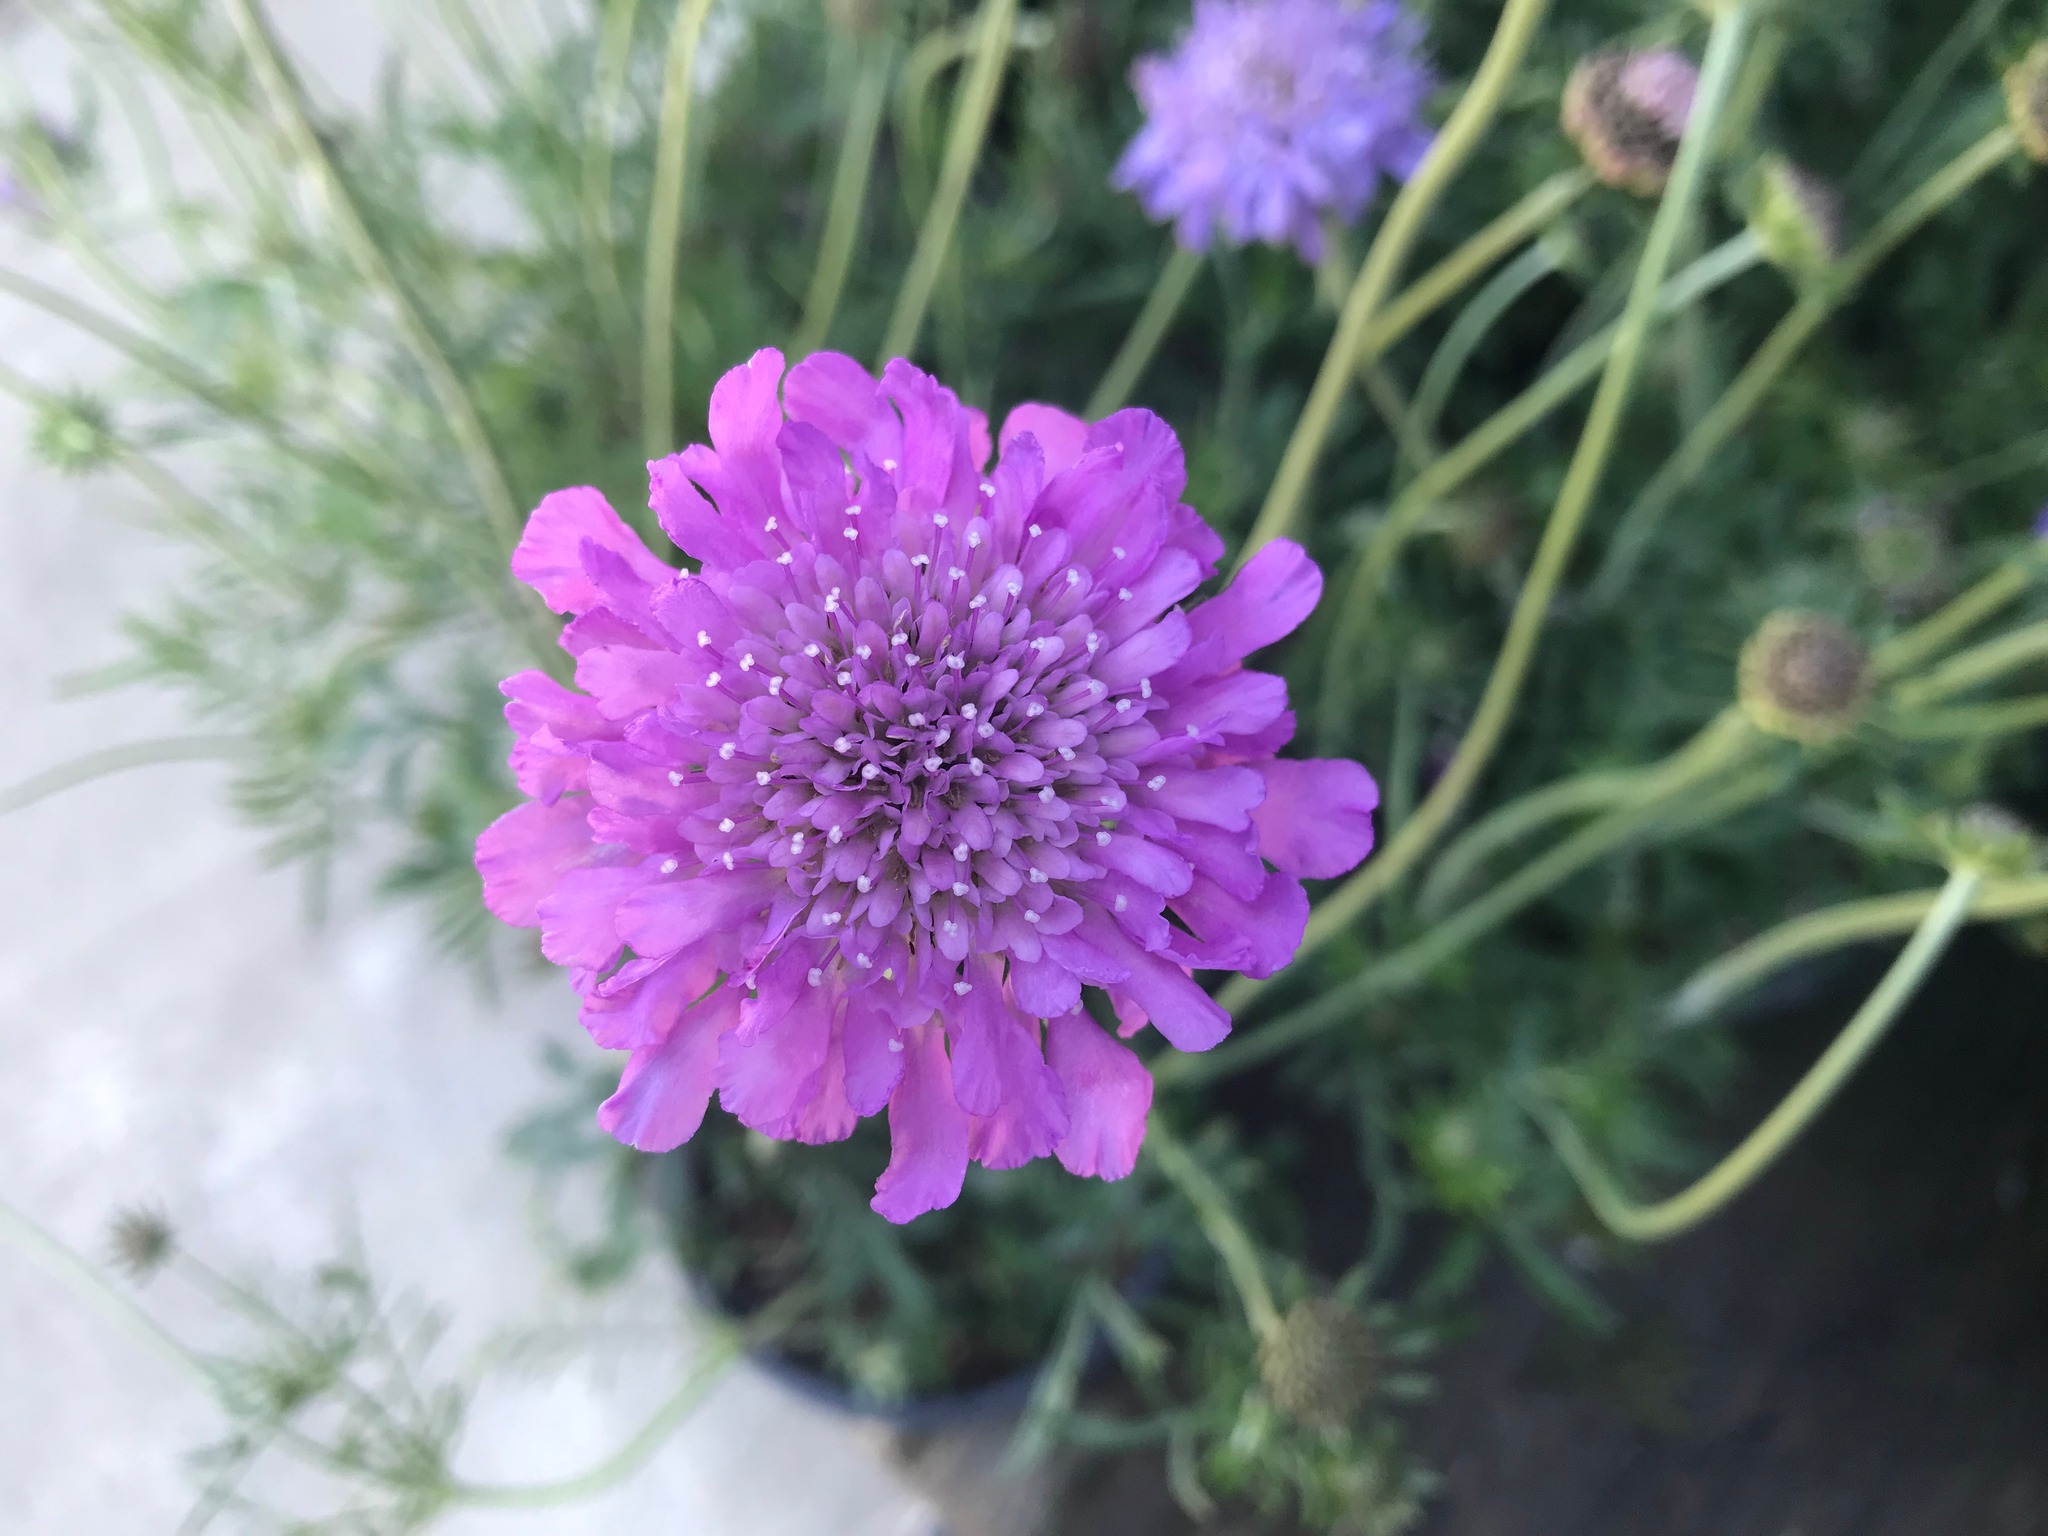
pixel 665 230
pixel 1733 1174
pixel 850 179
pixel 1469 120
pixel 973 107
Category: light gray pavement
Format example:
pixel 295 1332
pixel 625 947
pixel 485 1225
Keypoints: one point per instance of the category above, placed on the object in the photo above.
pixel 173 1031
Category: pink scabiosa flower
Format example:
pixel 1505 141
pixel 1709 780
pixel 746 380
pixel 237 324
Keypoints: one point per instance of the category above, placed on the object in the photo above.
pixel 1273 114
pixel 846 819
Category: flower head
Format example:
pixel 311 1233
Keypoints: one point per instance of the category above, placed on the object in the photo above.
pixel 846 819
pixel 1804 677
pixel 2026 100
pixel 1274 113
pixel 1626 111
pixel 1321 1364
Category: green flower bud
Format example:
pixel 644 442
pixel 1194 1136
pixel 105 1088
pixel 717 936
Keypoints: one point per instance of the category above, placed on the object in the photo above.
pixel 1796 217
pixel 1987 838
pixel 1803 677
pixel 1903 554
pixel 74 434
pixel 1321 1364
pixel 142 1242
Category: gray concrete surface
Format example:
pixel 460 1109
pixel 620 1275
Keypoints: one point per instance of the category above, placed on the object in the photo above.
pixel 173 1032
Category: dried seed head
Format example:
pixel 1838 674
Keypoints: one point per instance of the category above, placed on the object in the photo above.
pixel 2026 100
pixel 1804 677
pixel 141 1241
pixel 1321 1364
pixel 1796 216
pixel 1627 111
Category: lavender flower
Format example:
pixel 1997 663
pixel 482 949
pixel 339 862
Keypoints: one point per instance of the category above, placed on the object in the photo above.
pixel 848 818
pixel 2041 524
pixel 1273 113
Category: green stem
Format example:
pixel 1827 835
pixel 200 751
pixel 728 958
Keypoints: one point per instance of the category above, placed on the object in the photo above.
pixel 1147 331
pixel 288 102
pixel 1958 617
pixel 107 761
pixel 849 195
pixel 1638 526
pixel 727 1345
pixel 2002 719
pixel 1714 986
pixel 664 231
pixel 1918 99
pixel 88 1282
pixel 1469 120
pixel 1582 480
pixel 1719 755
pixel 1736 1172
pixel 1979 664
pixel 608 89
pixel 1501 293
pixel 1219 1222
pixel 1598 790
pixel 973 108
pixel 1505 427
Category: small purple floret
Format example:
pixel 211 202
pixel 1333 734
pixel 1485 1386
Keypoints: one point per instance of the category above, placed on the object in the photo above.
pixel 1273 114
pixel 842 823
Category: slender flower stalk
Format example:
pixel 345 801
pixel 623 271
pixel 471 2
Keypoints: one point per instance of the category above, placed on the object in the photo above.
pixel 972 111
pixel 1980 664
pixel 850 179
pixel 1220 1225
pixel 1762 1147
pixel 1935 633
pixel 1178 275
pixel 1474 114
pixel 1580 795
pixel 282 88
pixel 665 229
pixel 1973 721
pixel 1638 526
pixel 1560 535
pixel 608 90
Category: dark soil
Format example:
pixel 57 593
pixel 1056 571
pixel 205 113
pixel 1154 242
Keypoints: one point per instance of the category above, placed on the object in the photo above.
pixel 1859 1347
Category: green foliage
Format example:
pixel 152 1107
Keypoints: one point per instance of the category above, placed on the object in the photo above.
pixel 350 613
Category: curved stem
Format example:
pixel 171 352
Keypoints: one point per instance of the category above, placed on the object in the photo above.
pixel 88 1282
pixel 664 231
pixel 1473 115
pixel 107 761
pixel 288 102
pixel 1719 754
pixel 1582 480
pixel 1505 427
pixel 1719 983
pixel 1979 664
pixel 1918 98
pixel 1958 616
pixel 1638 526
pixel 975 105
pixel 1575 796
pixel 608 89
pixel 849 195
pixel 1501 293
pixel 1181 268
pixel 1225 1232
pixel 1740 1168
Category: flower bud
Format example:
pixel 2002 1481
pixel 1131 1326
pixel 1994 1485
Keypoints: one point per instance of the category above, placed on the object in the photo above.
pixel 74 434
pixel 1320 1365
pixel 1803 677
pixel 1797 218
pixel 1987 838
pixel 1627 111
pixel 142 1242
pixel 2026 100
pixel 1903 553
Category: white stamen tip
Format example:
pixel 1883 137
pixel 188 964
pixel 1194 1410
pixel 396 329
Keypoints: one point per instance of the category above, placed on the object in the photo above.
pixel 1102 839
pixel 1045 795
pixel 1036 530
pixel 1117 550
pixel 747 662
pixel 933 764
pixel 726 824
pixel 845 679
pixel 785 558
pixel 711 681
pixel 727 858
pixel 962 988
pixel 675 778
pixel 853 533
pixel 817 977
pixel 960 887
pixel 960 852
pixel 704 637
pixel 1123 903
pixel 1123 594
pixel 761 776
pixel 668 866
pixel 863 884
pixel 895 1045
pixel 1157 781
pixel 1030 916
pixel 987 489
pixel 811 649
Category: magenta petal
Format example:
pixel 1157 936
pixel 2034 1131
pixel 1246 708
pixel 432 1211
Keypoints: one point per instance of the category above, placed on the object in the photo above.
pixel 1257 937
pixel 768 1068
pixel 666 1087
pixel 665 918
pixel 579 921
pixel 524 854
pixel 629 1014
pixel 1044 988
pixel 549 557
pixel 1190 1018
pixel 1061 435
pixel 874 1057
pixel 1316 819
pixel 928 1133
pixel 836 395
pixel 1276 590
pixel 1109 1093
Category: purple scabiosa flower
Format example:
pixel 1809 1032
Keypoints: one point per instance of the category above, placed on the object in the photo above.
pixel 1627 111
pixel 846 819
pixel 2041 524
pixel 1274 113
